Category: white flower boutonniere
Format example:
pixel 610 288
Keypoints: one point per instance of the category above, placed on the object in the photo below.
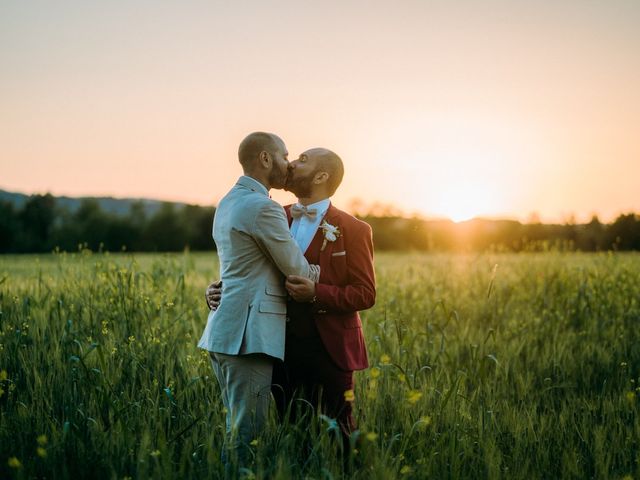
pixel 331 233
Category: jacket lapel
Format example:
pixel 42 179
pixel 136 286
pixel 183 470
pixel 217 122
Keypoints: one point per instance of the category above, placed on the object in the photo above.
pixel 330 217
pixel 313 253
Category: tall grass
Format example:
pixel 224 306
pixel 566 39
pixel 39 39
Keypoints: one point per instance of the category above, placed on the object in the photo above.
pixel 490 366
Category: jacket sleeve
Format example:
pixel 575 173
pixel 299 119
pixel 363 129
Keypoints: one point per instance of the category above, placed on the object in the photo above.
pixel 272 235
pixel 360 291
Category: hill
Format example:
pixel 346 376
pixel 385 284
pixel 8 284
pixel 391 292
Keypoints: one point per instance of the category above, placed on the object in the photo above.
pixel 111 205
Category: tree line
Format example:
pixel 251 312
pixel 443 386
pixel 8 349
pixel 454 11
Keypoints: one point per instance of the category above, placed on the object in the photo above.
pixel 41 225
pixel 478 235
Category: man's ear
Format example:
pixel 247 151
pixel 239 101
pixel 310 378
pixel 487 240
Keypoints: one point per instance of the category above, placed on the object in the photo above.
pixel 321 177
pixel 265 159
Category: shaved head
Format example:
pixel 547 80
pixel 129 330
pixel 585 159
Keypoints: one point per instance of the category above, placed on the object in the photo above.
pixel 318 171
pixel 331 163
pixel 253 145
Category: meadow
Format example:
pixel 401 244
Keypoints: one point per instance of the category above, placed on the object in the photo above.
pixel 518 366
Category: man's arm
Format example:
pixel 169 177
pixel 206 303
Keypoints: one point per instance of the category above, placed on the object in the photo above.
pixel 360 291
pixel 271 232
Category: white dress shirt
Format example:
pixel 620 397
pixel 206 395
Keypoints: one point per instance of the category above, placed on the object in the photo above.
pixel 303 229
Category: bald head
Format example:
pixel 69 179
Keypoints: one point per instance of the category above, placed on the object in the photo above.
pixel 328 161
pixel 254 145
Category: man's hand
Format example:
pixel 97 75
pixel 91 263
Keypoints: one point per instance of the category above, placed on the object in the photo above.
pixel 301 289
pixel 213 294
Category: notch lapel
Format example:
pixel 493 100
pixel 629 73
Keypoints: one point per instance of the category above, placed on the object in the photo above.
pixel 330 217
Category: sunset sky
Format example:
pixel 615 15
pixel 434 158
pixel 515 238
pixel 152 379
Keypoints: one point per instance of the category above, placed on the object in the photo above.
pixel 441 108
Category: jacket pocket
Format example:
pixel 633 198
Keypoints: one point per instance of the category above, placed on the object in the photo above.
pixel 276 290
pixel 273 307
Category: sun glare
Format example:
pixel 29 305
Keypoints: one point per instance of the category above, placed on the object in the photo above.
pixel 464 200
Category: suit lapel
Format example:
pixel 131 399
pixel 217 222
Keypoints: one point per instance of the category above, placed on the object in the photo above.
pixel 330 217
pixel 313 253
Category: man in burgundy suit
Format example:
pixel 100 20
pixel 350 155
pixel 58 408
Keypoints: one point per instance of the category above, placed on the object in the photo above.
pixel 324 340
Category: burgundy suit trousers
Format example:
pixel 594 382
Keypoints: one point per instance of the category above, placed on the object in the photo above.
pixel 308 372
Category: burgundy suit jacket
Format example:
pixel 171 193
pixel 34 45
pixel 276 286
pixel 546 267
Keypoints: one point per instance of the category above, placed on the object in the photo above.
pixel 347 284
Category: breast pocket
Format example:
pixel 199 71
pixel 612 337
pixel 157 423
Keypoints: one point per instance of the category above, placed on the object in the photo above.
pixel 339 267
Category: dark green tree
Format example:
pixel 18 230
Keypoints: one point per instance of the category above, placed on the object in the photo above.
pixel 164 232
pixel 36 222
pixel 8 227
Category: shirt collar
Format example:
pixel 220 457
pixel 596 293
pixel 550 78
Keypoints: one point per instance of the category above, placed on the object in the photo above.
pixel 253 184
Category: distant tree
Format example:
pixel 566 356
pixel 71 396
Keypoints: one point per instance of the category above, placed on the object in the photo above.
pixel 120 234
pixel 136 221
pixel 164 232
pixel 35 224
pixel 624 233
pixel 196 223
pixel 590 237
pixel 92 223
pixel 8 227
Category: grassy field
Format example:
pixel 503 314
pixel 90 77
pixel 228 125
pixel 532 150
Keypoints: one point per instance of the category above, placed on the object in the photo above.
pixel 492 366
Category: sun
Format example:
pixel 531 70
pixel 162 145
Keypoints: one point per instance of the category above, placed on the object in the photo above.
pixel 465 199
pixel 462 213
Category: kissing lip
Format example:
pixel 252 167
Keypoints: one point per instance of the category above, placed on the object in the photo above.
pixel 288 179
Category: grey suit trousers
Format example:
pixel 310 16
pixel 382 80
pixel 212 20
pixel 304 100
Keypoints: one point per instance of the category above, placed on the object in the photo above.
pixel 245 384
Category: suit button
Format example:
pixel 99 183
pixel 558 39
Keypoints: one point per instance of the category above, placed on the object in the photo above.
pixel 288 319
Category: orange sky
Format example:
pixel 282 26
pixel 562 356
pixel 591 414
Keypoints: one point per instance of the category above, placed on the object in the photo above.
pixel 495 108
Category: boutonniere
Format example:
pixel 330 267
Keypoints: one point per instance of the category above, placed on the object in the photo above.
pixel 330 232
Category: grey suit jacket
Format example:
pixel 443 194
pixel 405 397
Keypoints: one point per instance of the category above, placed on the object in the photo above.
pixel 256 251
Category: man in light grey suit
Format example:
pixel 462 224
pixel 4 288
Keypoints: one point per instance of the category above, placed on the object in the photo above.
pixel 256 251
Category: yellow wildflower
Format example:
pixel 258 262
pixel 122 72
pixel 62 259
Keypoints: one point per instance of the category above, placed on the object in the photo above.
pixel 42 440
pixel 373 390
pixel 349 396
pixel 406 470
pixel 3 375
pixel 42 453
pixel 424 422
pixel 413 396
pixel 254 442
pixel 13 462
pixel 155 453
pixel 371 436
pixel 631 396
pixel 402 377
pixel 385 359
pixel 375 372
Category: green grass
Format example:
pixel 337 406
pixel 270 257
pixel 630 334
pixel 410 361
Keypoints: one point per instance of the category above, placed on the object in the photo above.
pixel 525 370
